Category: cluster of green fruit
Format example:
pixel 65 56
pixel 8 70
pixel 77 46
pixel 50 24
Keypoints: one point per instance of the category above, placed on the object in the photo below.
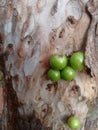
pixel 63 68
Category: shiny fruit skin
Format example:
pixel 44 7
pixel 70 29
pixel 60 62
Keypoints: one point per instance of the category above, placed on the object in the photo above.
pixel 73 123
pixel 54 75
pixel 58 62
pixel 77 61
pixel 68 73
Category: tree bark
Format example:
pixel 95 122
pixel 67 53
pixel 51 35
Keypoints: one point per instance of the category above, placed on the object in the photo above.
pixel 30 32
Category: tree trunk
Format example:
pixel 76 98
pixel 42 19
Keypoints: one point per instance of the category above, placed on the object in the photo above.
pixel 30 32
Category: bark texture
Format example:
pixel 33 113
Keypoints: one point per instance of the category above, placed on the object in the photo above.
pixel 30 32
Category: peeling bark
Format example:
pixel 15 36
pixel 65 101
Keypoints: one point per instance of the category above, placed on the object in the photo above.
pixel 32 30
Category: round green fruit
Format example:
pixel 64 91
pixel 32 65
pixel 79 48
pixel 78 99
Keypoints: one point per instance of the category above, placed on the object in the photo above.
pixel 58 62
pixel 68 73
pixel 77 61
pixel 74 123
pixel 54 75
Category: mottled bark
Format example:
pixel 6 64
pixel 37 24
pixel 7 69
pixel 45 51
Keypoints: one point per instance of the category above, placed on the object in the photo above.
pixel 32 30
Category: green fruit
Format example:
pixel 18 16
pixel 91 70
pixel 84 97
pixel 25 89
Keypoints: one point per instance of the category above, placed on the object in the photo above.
pixel 74 123
pixel 58 62
pixel 54 75
pixel 77 61
pixel 1 77
pixel 68 73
